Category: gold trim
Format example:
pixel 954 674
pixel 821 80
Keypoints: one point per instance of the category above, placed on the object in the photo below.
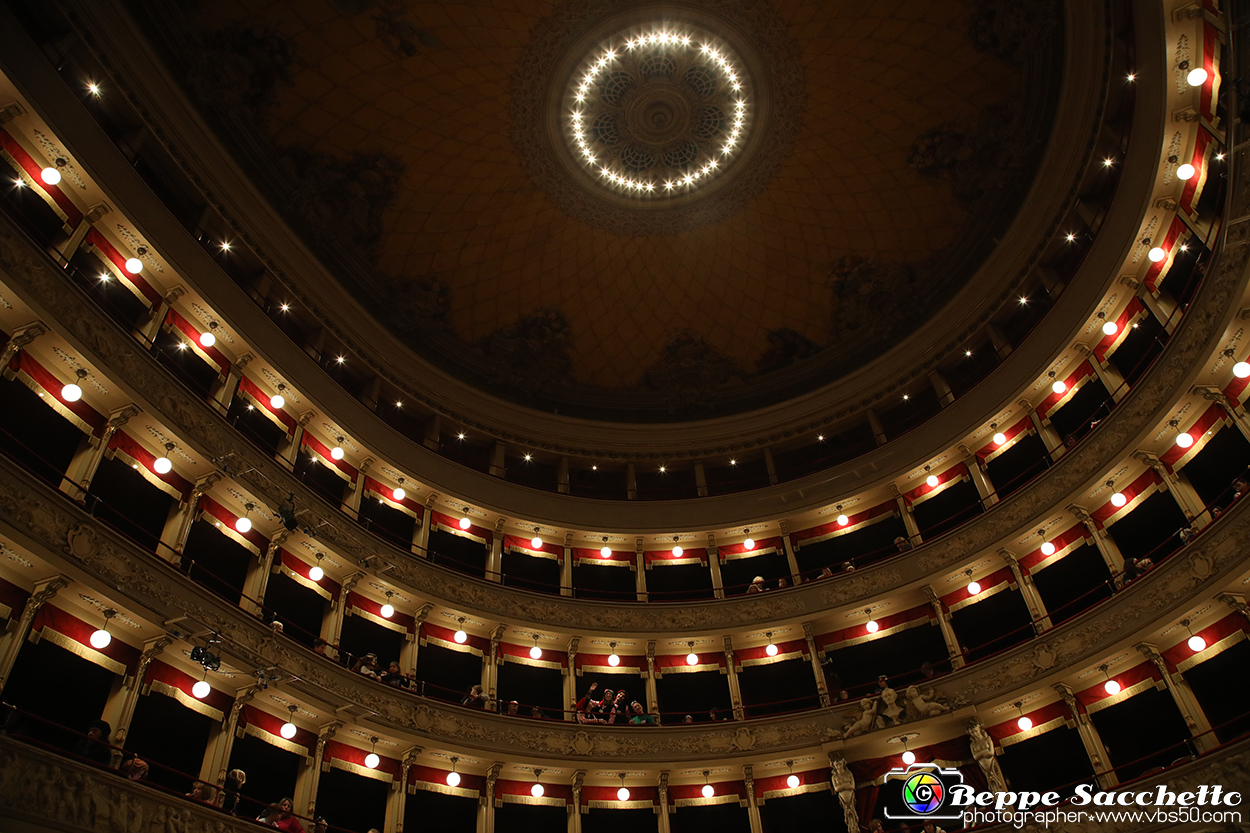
pixel 766 660
pixel 596 804
pixel 182 697
pixel 985 593
pixel 386 623
pixel 375 774
pixel 276 740
pixel 1125 693
pixel 1212 650
pixel 727 798
pixel 51 400
pixel 430 786
pixel 76 647
pixel 263 407
pixel 868 637
pixel 146 473
pixel 307 582
pixel 814 787
pixel 545 801
pixel 538 663
pixel 466 648
pixel 1039 729
pixel 36 187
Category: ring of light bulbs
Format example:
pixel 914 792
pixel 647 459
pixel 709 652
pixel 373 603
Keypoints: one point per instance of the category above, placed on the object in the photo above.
pixel 717 58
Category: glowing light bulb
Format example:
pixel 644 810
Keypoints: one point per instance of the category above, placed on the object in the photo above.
pixel 536 542
pixel 288 730
pixel 749 544
pixel 399 493
pixel 872 626
pixel 843 520
pixel 909 757
pixel 1110 328
pixel 316 573
pixel 101 639
pixel 277 401
pixel 537 791
pixel 336 453
pixel 1185 172
pixel 162 465
pixel 207 339
pixel 1184 439
pixel 453 779
pixel 622 794
pixel 677 551
pixel 708 791
pixel 461 637
pixel 1118 499
pixel 201 689
pixel 1048 548
pixel 1196 77
pixel 51 176
pixel 931 481
pixel 613 660
pixel 1025 724
pixel 1197 643
pixel 1059 386
pixel 605 551
pixel 372 760
pixel 1111 687
pixel 1000 438
pixel 243 525
pixel 71 392
pixel 793 782
pixel 133 265
pixel 692 658
pixel 388 610
pixel 465 523
pixel 1241 370
pixel 974 587
pixel 536 652
pixel 771 650
pixel 1156 254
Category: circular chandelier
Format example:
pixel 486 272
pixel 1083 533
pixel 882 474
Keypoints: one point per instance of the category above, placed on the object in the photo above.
pixel 656 113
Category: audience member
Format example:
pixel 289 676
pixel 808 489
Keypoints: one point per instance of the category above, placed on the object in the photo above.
pixel 203 793
pixel 902 543
pixel 235 779
pixel 639 715
pixel 536 713
pixel 826 573
pixel 394 677
pixel 782 584
pixel 280 816
pixel 513 707
pixel 95 746
pixel 321 825
pixel 475 699
pixel 757 585
pixel 1188 534
pixel 848 566
pixel 368 666
pixel 689 719
pixel 136 769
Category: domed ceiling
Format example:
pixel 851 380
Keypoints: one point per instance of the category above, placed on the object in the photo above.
pixel 780 191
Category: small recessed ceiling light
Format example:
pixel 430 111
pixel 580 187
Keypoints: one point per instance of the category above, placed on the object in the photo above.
pixel 1184 247
pixel 93 88
pixel 1071 237
pixel 285 307
pixel 1024 300
pixel 906 397
pixel 1132 76
pixel 1108 162
pixel 104 277
pixel 733 462
pixel 460 436
pixel 1219 156
pixel 529 457
pixel 19 183
pixel 967 352
pixel 225 245
pixel 820 438
pixel 341 359
pixel 399 404
pixel 663 469
pixel 182 346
